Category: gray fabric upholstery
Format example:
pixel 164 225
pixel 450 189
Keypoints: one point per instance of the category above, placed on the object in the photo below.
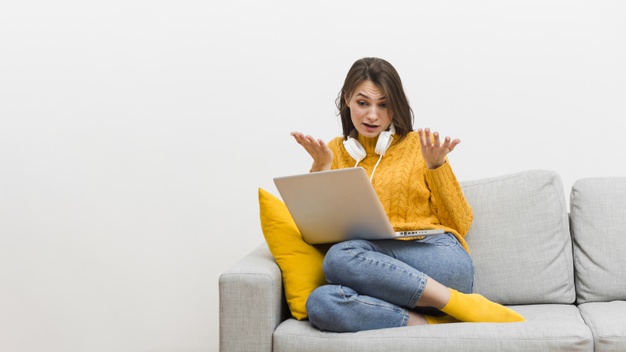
pixel 598 216
pixel 548 328
pixel 251 303
pixel 607 323
pixel 520 244
pixel 520 240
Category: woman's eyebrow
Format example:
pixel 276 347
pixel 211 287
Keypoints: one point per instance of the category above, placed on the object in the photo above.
pixel 365 96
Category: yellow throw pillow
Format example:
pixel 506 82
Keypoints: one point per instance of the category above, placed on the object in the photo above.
pixel 300 262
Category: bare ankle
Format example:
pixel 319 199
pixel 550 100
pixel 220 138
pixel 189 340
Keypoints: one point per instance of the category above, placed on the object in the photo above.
pixel 434 295
pixel 416 319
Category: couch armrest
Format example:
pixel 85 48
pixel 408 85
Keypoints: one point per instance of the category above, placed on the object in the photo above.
pixel 251 303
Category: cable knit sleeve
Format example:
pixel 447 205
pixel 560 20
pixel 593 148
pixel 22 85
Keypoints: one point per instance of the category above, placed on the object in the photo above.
pixel 447 199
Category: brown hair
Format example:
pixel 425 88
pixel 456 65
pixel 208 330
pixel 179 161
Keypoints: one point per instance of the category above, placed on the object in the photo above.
pixel 385 76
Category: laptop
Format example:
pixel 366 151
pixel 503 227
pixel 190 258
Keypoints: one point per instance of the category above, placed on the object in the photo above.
pixel 338 205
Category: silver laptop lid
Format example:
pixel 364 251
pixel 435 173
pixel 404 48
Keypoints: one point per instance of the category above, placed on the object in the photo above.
pixel 328 206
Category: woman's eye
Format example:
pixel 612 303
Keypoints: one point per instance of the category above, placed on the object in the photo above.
pixel 361 103
pixel 383 105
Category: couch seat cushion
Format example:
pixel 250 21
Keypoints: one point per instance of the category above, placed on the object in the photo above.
pixel 607 323
pixel 548 328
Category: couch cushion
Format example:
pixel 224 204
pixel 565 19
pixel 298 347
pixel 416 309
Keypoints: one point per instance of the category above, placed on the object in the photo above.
pixel 607 323
pixel 548 328
pixel 520 240
pixel 598 218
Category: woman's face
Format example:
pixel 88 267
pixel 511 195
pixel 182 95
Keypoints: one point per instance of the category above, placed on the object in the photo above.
pixel 368 109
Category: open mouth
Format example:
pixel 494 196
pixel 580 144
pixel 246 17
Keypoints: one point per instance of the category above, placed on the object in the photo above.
pixel 370 126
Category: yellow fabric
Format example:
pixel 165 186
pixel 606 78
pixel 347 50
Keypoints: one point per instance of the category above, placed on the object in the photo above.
pixel 413 196
pixel 300 263
pixel 476 308
pixel 444 319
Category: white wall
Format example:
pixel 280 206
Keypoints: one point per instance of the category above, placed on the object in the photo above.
pixel 134 135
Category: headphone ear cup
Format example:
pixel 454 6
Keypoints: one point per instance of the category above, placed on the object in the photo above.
pixel 384 140
pixel 355 149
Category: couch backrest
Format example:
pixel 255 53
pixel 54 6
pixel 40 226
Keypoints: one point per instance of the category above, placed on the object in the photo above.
pixel 598 220
pixel 519 240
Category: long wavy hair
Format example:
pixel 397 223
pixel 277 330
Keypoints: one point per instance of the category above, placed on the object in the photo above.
pixel 385 76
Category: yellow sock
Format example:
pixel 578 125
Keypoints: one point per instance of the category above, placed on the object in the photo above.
pixel 476 308
pixel 444 319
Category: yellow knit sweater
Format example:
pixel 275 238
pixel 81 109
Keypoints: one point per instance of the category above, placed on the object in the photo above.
pixel 413 196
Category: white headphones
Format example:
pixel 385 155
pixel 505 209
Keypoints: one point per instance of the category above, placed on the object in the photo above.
pixel 358 153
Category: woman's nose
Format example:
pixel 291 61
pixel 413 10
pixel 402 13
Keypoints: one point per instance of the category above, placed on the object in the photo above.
pixel 372 113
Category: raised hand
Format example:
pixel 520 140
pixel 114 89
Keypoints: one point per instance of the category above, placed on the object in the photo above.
pixel 433 151
pixel 319 151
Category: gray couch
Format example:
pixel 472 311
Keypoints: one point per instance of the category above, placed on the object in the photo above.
pixel 565 274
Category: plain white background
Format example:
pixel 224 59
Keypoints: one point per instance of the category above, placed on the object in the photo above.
pixel 134 135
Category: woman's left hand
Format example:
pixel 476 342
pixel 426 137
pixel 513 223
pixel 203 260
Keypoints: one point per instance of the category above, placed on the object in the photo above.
pixel 433 151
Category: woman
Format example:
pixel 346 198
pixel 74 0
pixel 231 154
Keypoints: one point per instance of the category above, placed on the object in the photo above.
pixel 392 283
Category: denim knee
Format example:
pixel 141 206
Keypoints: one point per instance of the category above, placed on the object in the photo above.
pixel 332 258
pixel 338 257
pixel 319 307
pixel 341 309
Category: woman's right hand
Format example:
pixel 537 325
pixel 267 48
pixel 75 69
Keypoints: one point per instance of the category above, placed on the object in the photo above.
pixel 319 151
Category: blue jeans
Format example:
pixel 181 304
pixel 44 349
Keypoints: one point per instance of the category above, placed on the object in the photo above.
pixel 374 284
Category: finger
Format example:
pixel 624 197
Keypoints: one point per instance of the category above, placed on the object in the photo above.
pixel 453 144
pixel 312 142
pixel 305 142
pixel 446 143
pixel 315 146
pixel 298 136
pixel 307 147
pixel 437 142
pixel 428 137
pixel 324 150
pixel 420 132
